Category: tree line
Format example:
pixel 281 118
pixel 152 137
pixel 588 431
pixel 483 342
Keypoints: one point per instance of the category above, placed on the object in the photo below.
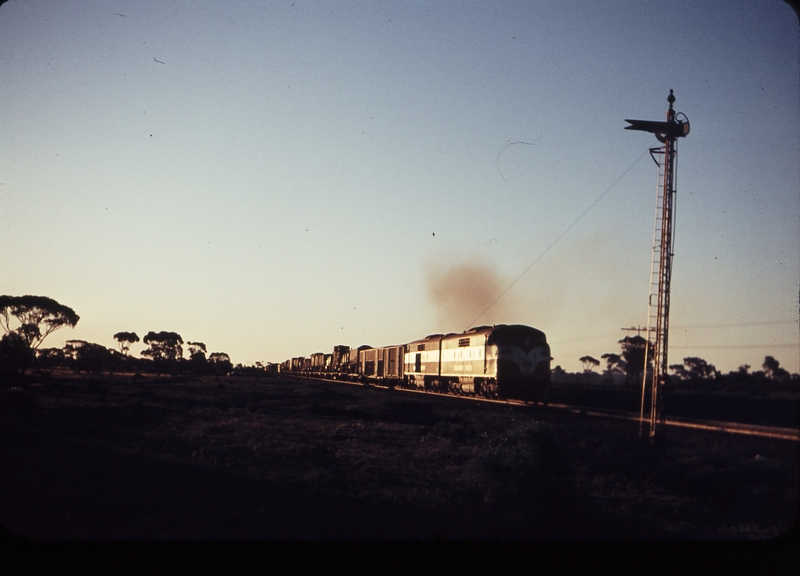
pixel 695 373
pixel 27 320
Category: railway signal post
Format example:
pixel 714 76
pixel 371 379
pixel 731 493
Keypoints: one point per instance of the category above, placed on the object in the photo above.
pixel 665 157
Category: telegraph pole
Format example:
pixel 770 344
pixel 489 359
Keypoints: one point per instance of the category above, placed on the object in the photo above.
pixel 637 329
pixel 665 157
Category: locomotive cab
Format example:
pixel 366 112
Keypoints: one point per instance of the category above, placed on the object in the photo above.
pixel 521 358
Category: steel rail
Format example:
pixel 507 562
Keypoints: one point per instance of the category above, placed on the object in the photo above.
pixel 775 432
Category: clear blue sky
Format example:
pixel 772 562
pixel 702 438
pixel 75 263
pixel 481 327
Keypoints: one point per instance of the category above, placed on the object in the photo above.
pixel 276 178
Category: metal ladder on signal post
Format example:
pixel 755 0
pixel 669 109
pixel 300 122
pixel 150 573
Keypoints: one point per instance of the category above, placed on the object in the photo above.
pixel 658 298
pixel 661 268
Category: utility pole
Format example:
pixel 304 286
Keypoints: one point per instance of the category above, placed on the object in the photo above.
pixel 637 329
pixel 666 158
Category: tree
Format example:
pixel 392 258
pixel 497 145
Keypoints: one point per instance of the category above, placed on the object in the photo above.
pixel 680 371
pixel 197 351
pixel 125 340
pixel 633 350
pixel 699 369
pixel 698 372
pixel 87 356
pixel 772 369
pixel 589 363
pixel 164 346
pixel 221 361
pixel 15 357
pixel 614 362
pixel 197 357
pixel 38 317
pixel 50 357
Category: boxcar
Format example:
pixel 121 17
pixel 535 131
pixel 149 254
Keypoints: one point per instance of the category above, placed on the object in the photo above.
pixel 382 365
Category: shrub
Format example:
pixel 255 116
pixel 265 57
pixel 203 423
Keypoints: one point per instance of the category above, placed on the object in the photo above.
pixel 513 469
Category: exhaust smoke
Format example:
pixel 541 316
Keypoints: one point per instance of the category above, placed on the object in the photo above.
pixel 462 291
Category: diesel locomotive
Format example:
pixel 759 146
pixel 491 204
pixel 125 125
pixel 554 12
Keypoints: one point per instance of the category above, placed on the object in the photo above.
pixel 501 361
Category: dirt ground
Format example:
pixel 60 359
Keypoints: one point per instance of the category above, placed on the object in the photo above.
pixel 123 458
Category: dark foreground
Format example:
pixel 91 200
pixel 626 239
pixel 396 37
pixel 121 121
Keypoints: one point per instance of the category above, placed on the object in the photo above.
pixel 114 458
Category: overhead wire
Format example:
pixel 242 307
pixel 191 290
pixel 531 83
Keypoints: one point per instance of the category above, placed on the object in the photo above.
pixel 546 250
pixel 742 324
pixel 794 345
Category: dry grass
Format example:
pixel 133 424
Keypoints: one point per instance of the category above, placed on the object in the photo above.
pixel 237 458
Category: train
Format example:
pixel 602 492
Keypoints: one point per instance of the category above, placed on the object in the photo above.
pixel 502 361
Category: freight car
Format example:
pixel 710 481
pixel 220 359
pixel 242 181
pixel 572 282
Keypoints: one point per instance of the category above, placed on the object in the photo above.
pixel 501 361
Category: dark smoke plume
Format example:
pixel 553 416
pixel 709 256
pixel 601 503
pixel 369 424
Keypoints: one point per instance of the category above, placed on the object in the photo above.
pixel 461 291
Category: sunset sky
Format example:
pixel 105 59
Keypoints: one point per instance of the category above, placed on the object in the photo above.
pixel 276 178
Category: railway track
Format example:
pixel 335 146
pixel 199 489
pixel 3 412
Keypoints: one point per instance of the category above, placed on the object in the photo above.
pixel 792 434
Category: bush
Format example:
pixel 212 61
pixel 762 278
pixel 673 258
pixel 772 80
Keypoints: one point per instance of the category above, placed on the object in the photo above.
pixel 514 468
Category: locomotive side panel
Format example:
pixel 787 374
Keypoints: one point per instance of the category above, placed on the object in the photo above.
pixel 464 355
pixel 464 358
pixel 421 361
